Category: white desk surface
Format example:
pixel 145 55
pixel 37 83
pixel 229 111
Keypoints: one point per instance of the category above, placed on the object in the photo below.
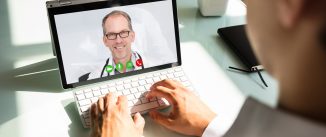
pixel 35 105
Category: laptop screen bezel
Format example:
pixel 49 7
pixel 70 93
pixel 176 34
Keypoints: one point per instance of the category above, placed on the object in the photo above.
pixel 62 9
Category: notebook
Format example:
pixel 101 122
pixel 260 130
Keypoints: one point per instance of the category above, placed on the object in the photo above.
pixel 118 46
pixel 236 38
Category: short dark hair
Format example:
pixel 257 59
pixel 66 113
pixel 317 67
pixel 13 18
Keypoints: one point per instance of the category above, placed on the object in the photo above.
pixel 116 12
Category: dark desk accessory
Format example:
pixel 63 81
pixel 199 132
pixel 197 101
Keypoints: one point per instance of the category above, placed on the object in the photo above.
pixel 235 37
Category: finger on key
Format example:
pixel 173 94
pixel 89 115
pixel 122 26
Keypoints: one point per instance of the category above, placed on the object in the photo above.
pixel 110 101
pixel 96 131
pixel 122 103
pixel 166 83
pixel 94 115
pixel 100 104
pixel 170 83
pixel 161 91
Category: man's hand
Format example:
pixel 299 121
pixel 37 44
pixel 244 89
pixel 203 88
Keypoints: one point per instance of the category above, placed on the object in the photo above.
pixel 111 118
pixel 189 116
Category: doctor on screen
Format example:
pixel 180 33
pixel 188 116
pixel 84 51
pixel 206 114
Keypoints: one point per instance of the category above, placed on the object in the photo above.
pixel 118 36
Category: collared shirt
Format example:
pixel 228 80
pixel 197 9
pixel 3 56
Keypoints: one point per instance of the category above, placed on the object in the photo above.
pixel 221 123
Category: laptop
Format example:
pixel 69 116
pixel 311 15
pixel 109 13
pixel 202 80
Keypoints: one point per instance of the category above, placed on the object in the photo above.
pixel 119 46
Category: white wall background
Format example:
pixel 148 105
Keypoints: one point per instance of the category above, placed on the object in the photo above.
pixel 80 37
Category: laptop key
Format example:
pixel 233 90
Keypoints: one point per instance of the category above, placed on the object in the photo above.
pixel 141 77
pixel 156 79
pixel 80 97
pixel 96 88
pixel 94 99
pixel 126 92
pixel 136 101
pixel 88 94
pixel 84 108
pixel 148 86
pixel 143 107
pixel 127 86
pixel 130 97
pixel 88 120
pixel 118 93
pixel 85 114
pixel 78 92
pixel 144 100
pixel 134 84
pixel 183 78
pixel 120 87
pixel 149 81
pixel 96 93
pixel 84 102
pixel 149 76
pixel 142 82
pixel 127 81
pixel 104 86
pixel 112 89
pixel 157 74
pixel 177 69
pixel 137 95
pixel 87 90
pixel 111 84
pixel 133 90
pixel 104 91
pixel 163 73
pixel 141 88
pixel 119 83
pixel 170 71
pixel 178 74
pixel 170 76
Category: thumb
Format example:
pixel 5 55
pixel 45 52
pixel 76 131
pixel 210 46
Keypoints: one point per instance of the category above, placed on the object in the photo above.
pixel 160 118
pixel 139 122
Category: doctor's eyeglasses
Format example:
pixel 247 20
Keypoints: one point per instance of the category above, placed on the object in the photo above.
pixel 113 36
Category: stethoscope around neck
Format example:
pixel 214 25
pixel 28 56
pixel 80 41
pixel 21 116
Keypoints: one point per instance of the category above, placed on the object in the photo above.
pixel 107 62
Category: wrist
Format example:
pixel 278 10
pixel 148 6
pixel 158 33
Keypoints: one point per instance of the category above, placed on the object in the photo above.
pixel 204 123
pixel 105 129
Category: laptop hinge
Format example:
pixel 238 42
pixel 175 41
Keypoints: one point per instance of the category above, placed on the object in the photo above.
pixel 64 2
pixel 175 64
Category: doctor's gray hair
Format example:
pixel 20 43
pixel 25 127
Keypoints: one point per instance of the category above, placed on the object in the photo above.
pixel 116 12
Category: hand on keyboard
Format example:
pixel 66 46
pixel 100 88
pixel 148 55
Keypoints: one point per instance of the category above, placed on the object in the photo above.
pixel 189 116
pixel 111 118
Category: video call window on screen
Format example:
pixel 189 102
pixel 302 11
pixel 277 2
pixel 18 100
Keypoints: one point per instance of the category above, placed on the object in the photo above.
pixel 105 42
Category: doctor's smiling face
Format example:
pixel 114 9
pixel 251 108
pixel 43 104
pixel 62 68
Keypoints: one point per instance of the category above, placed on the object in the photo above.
pixel 118 35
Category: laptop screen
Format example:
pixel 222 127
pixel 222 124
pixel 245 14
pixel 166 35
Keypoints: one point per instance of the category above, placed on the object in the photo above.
pixel 104 42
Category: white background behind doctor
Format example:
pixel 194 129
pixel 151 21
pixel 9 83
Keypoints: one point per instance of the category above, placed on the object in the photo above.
pixel 80 37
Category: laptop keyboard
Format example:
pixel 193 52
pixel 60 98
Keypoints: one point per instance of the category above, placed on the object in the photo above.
pixel 134 88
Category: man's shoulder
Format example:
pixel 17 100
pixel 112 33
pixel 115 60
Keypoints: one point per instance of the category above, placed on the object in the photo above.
pixel 256 120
